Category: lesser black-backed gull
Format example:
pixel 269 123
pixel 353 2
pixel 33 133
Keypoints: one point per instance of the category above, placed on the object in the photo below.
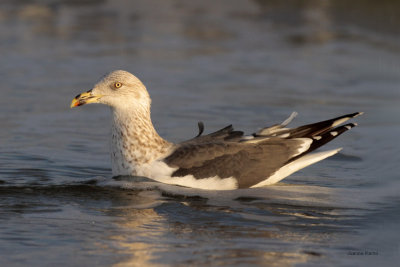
pixel 223 160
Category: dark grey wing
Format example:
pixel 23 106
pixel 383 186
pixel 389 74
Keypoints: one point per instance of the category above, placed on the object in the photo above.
pixel 206 146
pixel 227 153
pixel 249 163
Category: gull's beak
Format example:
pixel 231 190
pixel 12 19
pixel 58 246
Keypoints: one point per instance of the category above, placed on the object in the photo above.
pixel 84 98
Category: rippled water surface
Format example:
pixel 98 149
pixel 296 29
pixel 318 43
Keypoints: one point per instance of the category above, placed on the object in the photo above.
pixel 250 63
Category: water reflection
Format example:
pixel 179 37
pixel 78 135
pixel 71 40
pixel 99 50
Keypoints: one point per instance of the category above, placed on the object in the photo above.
pixel 139 234
pixel 174 225
pixel 221 230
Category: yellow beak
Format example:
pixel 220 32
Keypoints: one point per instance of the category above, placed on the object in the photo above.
pixel 84 98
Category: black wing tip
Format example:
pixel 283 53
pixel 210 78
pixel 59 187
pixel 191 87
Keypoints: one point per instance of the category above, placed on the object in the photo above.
pixel 356 114
pixel 347 116
pixel 343 128
pixel 339 120
pixel 350 125
pixel 320 140
pixel 326 137
pixel 351 115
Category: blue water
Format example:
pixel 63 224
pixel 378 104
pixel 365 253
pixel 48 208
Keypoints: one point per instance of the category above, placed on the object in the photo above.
pixel 250 63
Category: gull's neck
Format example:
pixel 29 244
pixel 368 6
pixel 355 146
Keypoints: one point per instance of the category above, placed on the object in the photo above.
pixel 135 142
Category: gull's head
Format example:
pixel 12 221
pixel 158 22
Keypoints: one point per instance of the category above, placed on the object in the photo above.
pixel 118 89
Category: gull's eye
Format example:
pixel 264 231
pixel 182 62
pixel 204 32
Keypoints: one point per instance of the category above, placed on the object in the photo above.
pixel 117 85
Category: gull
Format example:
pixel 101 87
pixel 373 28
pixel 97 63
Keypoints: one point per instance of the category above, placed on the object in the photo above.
pixel 222 160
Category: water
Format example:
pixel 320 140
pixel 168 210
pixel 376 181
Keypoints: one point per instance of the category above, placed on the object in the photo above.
pixel 247 62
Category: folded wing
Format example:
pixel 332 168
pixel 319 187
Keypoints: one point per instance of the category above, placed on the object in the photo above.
pixel 251 160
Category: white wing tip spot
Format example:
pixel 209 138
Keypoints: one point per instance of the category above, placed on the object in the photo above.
pixel 304 146
pixel 334 133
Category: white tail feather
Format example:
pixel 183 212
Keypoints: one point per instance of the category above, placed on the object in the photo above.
pixel 296 165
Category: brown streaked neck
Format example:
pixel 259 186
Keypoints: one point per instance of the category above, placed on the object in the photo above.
pixel 134 133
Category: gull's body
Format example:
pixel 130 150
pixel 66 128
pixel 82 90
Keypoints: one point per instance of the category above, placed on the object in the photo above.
pixel 222 160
